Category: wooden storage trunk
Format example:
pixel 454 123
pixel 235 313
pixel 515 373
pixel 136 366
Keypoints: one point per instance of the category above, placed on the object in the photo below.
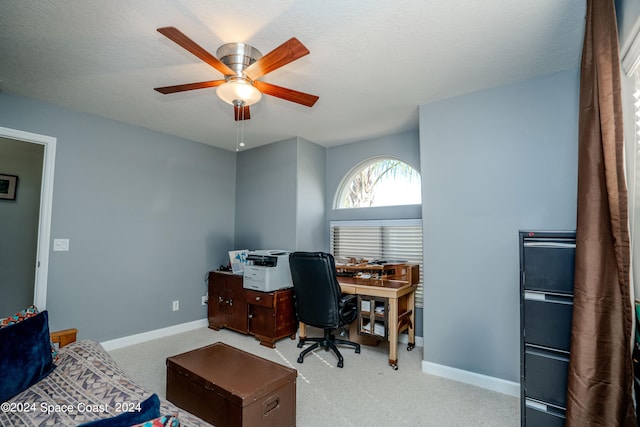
pixel 226 386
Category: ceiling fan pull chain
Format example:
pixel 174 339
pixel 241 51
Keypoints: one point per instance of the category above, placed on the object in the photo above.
pixel 237 136
pixel 242 129
pixel 239 112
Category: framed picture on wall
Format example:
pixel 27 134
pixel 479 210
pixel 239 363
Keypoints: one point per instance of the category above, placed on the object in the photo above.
pixel 8 185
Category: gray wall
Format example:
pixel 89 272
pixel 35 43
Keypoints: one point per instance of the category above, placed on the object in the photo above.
pixel 19 224
pixel 493 163
pixel 310 204
pixel 147 215
pixel 266 196
pixel 280 196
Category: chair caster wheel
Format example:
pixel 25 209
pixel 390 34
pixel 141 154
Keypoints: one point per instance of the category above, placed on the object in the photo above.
pixel 300 359
pixel 394 367
pixel 340 364
pixel 300 345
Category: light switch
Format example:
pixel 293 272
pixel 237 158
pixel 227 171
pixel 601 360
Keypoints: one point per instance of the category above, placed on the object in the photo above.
pixel 60 245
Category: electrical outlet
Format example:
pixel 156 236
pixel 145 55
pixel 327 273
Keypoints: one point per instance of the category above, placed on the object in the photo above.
pixel 60 245
pixel 205 299
pixel 176 305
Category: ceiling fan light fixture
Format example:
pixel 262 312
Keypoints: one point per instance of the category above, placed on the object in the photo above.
pixel 238 91
pixel 242 65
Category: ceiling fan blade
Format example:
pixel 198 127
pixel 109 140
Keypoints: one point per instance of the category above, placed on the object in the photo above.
pixel 182 40
pixel 287 52
pixel 286 94
pixel 189 86
pixel 241 113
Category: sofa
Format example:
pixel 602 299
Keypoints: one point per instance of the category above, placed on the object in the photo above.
pixel 71 383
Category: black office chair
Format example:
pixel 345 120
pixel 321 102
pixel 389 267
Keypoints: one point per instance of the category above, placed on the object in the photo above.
pixel 319 301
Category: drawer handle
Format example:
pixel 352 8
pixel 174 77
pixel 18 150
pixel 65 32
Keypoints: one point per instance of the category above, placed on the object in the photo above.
pixel 549 245
pixel 271 405
pixel 548 297
pixel 534 296
pixel 536 405
pixel 547 354
pixel 257 298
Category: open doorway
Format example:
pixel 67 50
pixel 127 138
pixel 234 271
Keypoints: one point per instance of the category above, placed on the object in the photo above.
pixel 41 150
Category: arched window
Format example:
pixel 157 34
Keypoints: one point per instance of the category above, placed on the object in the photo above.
pixel 380 181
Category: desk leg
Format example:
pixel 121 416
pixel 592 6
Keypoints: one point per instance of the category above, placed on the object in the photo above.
pixel 303 330
pixel 411 303
pixel 393 333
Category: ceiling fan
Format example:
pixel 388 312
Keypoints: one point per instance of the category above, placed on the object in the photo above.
pixel 242 65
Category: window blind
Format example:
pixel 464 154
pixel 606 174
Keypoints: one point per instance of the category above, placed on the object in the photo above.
pixel 375 240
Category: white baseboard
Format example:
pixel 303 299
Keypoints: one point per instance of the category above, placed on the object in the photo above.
pixel 152 335
pixel 491 383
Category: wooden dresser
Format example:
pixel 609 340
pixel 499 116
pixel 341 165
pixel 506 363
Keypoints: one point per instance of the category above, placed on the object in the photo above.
pixel 269 316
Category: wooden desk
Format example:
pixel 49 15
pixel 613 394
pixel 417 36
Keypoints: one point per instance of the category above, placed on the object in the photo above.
pixel 401 307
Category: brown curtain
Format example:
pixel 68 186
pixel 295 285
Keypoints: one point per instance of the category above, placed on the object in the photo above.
pixel 600 369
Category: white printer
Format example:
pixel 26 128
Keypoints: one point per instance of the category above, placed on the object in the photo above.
pixel 267 271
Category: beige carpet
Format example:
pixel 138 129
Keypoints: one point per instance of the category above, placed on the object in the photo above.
pixel 366 392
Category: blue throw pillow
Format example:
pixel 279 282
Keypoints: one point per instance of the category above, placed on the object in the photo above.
pixel 149 409
pixel 25 354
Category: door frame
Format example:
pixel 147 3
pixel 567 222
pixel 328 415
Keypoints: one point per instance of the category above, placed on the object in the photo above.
pixel 46 201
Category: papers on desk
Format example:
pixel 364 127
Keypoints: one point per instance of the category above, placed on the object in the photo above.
pixel 378 328
pixel 365 305
pixel 238 259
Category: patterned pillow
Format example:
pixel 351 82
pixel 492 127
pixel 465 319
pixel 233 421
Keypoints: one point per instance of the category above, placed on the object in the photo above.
pixel 19 316
pixel 28 312
pixel 163 421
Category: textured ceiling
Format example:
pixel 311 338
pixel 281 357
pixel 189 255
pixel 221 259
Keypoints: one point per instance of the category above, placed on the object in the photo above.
pixel 372 62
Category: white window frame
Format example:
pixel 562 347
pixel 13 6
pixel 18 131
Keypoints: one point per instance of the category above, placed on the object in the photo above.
pixel 349 176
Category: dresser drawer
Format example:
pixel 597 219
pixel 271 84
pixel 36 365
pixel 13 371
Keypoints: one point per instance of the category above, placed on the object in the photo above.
pixel 547 320
pixel 548 265
pixel 537 415
pixel 546 375
pixel 262 299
